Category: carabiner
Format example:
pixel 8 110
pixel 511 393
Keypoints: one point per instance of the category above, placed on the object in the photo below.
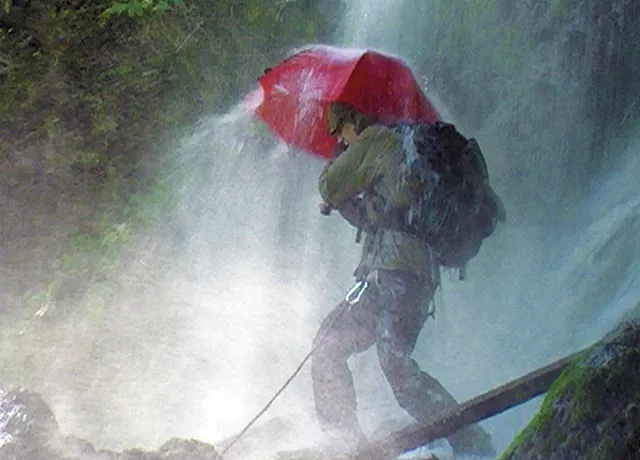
pixel 354 294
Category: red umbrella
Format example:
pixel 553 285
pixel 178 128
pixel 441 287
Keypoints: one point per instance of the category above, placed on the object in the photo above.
pixel 292 98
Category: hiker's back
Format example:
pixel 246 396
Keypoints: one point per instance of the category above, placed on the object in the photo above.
pixel 456 208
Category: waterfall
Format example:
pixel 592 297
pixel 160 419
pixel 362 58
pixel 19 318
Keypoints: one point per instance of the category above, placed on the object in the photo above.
pixel 562 271
pixel 249 267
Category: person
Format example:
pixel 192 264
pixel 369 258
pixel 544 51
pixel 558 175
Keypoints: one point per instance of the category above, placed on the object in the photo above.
pixel 395 283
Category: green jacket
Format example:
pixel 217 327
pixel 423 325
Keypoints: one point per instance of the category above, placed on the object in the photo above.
pixel 370 172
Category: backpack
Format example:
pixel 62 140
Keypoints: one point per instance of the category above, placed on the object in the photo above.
pixel 456 208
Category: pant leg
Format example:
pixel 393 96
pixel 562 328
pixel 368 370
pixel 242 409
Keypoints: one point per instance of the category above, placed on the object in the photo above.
pixel 348 329
pixel 405 302
pixel 422 396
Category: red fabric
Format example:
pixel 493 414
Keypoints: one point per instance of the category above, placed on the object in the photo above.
pixel 294 95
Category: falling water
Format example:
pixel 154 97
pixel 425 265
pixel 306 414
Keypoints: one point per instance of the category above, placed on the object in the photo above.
pixel 249 268
pixel 549 282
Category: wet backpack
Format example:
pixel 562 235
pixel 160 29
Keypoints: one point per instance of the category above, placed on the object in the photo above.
pixel 456 208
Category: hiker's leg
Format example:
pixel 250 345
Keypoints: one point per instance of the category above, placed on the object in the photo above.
pixel 348 329
pixel 421 395
pixel 406 301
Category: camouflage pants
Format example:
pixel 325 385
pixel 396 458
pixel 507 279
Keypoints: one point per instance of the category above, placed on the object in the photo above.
pixel 390 314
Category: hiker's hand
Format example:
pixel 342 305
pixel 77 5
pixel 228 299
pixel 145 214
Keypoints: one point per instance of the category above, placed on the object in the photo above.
pixel 325 208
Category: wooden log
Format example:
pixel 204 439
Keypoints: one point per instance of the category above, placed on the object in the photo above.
pixel 481 407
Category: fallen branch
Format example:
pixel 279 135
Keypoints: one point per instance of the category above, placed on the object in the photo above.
pixel 481 407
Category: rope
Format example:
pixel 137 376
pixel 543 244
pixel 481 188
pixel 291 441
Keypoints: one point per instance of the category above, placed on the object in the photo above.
pixel 345 305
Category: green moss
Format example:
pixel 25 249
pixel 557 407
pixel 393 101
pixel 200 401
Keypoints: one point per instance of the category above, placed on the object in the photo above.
pixel 585 393
pixel 568 384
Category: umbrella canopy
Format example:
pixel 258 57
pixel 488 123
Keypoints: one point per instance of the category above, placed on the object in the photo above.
pixel 292 98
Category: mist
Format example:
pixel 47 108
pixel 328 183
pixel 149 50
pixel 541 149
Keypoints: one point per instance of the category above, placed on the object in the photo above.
pixel 216 308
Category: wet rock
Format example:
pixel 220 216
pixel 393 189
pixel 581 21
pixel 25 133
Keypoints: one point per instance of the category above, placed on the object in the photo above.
pixel 26 425
pixel 175 449
pixel 29 431
pixel 592 411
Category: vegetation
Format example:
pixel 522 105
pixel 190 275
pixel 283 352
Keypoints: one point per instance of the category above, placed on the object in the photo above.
pixel 92 92
pixel 115 74
pixel 102 85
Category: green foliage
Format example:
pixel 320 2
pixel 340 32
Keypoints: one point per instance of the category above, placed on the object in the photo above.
pixel 120 71
pixel 134 8
pixel 103 84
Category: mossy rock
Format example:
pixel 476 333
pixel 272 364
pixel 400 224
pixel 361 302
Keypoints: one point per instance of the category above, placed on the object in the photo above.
pixel 592 412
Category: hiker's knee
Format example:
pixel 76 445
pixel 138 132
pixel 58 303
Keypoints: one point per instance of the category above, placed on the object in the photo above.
pixel 396 364
pixel 326 347
pixel 394 349
pixel 327 333
pixel 330 343
pixel 403 373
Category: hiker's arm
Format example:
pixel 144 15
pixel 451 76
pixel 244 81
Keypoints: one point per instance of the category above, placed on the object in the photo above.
pixel 349 174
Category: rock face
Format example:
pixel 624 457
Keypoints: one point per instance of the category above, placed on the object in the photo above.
pixel 29 431
pixel 592 411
